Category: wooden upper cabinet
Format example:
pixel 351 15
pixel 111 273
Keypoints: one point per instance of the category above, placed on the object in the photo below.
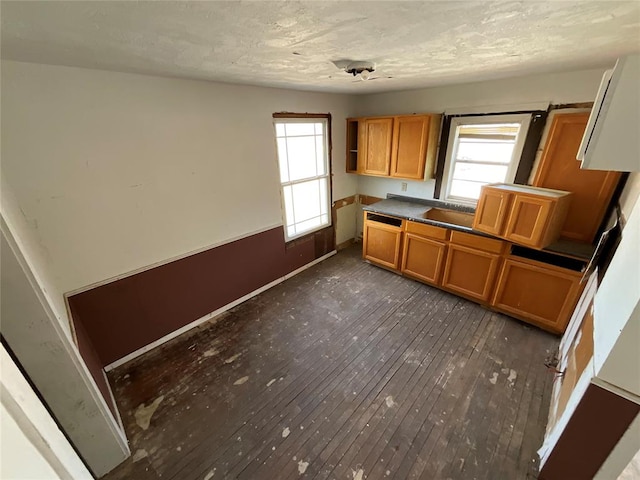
pixel 592 189
pixel 376 135
pixel 402 146
pixel 537 292
pixel 415 139
pixel 491 211
pixel 524 215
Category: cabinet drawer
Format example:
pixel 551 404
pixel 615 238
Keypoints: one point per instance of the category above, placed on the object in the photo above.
pixel 427 230
pixel 476 241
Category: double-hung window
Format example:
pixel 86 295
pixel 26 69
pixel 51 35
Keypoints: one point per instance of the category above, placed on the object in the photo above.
pixel 482 150
pixel 303 159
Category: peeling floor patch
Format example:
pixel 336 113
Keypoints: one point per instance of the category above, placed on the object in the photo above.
pixel 271 382
pixel 512 376
pixel 494 378
pixel 240 381
pixel 302 467
pixel 139 455
pixel 286 432
pixel 389 401
pixel 211 352
pixel 233 358
pixel 144 413
pixel 210 475
pixel 358 475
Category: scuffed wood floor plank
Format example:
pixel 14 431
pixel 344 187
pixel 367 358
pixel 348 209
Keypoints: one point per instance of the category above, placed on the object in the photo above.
pixel 345 369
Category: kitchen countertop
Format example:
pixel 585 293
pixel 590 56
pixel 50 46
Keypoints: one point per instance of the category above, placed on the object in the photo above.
pixel 414 209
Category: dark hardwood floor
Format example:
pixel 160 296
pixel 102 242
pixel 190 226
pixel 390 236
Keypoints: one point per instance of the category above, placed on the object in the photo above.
pixel 345 371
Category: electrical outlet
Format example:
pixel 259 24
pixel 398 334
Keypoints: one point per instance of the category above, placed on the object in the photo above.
pixel 404 186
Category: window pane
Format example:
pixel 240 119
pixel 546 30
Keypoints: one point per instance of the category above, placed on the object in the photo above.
pixel 465 189
pixel 282 160
pixel 301 152
pixel 291 231
pixel 480 172
pixel 483 150
pixel 279 129
pixel 288 205
pixel 324 201
pixel 295 129
pixel 308 225
pixel 306 200
pixel 320 156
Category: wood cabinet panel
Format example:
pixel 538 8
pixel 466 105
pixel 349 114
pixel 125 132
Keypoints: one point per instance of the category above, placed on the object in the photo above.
pixel 427 230
pixel 478 242
pixel 538 293
pixel 376 137
pixel 402 146
pixel 528 220
pixel 423 258
pixel 381 244
pixel 592 189
pixel 492 211
pixel 525 215
pixel 408 155
pixel 470 272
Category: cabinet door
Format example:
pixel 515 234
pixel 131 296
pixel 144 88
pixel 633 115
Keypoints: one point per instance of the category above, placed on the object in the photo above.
pixel 409 151
pixel 539 294
pixel 376 146
pixel 381 244
pixel 422 258
pixel 528 220
pixel 470 272
pixel 592 189
pixel 492 211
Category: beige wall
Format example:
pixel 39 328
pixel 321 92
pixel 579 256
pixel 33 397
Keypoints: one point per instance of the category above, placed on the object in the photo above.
pixel 491 96
pixel 118 171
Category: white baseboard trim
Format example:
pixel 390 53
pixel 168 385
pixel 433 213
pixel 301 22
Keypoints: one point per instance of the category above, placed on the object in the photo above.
pixel 209 316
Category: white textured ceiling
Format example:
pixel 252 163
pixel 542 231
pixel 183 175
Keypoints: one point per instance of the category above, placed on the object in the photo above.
pixel 292 44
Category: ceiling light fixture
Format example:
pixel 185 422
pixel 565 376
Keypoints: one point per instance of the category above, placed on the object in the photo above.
pixel 364 69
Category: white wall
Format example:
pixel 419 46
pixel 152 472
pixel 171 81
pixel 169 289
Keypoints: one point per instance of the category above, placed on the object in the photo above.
pixel 119 171
pixel 51 359
pixel 32 445
pixel 490 96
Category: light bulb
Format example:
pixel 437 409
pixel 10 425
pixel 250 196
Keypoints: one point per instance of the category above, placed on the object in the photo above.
pixel 365 74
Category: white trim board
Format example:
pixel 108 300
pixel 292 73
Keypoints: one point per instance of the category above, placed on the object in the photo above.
pixel 209 316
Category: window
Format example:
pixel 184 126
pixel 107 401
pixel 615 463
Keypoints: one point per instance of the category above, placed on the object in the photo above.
pixel 303 159
pixel 482 150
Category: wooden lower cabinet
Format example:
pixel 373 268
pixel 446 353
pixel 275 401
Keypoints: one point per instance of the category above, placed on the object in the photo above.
pixel 470 272
pixel 381 244
pixel 538 293
pixel 423 258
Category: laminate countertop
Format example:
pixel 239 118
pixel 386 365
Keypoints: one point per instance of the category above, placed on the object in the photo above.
pixel 415 209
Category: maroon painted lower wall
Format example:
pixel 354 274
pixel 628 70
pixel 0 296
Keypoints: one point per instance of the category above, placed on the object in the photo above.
pixel 93 363
pixel 596 426
pixel 127 314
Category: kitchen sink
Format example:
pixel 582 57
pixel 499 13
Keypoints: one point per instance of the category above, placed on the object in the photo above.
pixel 449 216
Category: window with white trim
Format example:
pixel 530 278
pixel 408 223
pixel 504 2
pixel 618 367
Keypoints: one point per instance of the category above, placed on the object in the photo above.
pixel 482 150
pixel 303 159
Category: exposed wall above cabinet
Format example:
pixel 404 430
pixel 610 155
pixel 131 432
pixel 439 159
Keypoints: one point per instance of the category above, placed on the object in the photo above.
pixel 402 146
